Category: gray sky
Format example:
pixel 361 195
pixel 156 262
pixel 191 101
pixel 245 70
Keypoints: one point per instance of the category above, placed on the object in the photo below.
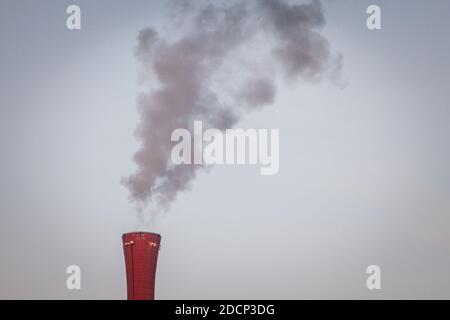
pixel 364 170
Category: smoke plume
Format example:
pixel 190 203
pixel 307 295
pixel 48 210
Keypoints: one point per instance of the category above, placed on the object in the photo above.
pixel 221 62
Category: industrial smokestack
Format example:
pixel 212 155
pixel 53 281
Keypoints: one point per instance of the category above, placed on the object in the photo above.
pixel 141 255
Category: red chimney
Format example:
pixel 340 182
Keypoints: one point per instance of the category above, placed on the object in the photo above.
pixel 141 254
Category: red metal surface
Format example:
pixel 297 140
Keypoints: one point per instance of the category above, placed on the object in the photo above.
pixel 141 255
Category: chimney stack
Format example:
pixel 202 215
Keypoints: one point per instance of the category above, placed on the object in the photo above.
pixel 141 255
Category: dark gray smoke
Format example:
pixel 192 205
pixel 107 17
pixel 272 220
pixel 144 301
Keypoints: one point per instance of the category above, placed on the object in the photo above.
pixel 191 79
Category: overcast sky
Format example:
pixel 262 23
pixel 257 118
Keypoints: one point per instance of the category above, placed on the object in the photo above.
pixel 364 170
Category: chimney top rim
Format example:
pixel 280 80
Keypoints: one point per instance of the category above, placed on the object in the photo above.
pixel 141 232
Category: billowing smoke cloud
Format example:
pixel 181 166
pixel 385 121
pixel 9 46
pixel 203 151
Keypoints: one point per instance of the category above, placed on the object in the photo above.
pixel 210 73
